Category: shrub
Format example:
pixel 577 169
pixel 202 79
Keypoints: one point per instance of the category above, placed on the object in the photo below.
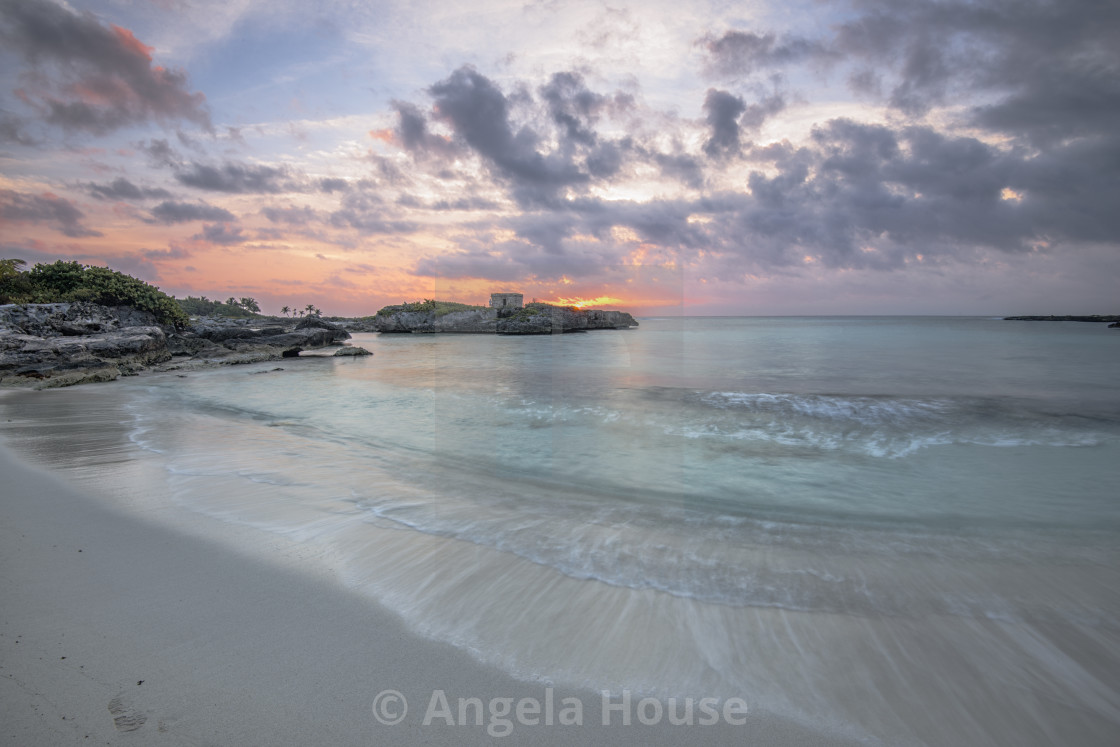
pixel 203 306
pixel 70 281
pixel 429 305
pixel 14 284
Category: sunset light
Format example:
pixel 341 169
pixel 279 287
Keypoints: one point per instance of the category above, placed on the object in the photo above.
pixel 371 370
pixel 586 303
pixel 352 155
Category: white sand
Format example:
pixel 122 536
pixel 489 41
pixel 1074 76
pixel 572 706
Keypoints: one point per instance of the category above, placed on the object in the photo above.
pixel 150 630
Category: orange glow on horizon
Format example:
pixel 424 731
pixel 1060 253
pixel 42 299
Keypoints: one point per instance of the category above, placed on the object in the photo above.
pixel 583 303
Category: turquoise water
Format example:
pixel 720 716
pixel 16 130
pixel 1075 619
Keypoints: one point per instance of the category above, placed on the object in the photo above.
pixel 889 527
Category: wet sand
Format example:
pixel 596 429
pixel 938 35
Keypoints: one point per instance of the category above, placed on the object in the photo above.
pixel 171 628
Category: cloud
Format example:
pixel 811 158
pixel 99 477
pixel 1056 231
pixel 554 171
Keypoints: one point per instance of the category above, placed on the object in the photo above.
pixel 1043 71
pixel 742 53
pixel 573 106
pixel 222 233
pixel 537 148
pixel 173 252
pixel 330 185
pixel 367 212
pixel 122 189
pixel 723 111
pixel 240 178
pixel 90 77
pixel 160 153
pixel 413 134
pixel 48 209
pixel 291 215
pixel 479 113
pixel 12 131
pixel 171 212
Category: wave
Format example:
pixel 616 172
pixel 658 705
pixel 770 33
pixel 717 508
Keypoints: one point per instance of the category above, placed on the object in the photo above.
pixel 876 426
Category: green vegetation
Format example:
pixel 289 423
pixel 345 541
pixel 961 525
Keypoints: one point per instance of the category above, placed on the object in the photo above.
pixel 535 308
pixel 71 281
pixel 203 306
pixel 429 305
pixel 14 284
pixel 308 310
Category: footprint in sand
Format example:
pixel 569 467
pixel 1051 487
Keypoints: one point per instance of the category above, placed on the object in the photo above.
pixel 124 717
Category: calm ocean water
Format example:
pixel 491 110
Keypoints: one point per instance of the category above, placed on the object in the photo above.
pixel 902 529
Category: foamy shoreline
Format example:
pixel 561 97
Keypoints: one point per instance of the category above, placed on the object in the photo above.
pixel 173 628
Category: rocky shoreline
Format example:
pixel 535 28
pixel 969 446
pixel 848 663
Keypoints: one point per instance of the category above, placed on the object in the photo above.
pixel 1067 318
pixel 533 319
pixel 62 344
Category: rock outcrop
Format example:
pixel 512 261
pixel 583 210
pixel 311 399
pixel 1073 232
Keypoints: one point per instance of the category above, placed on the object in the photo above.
pixel 1067 318
pixel 60 344
pixel 217 340
pixel 534 319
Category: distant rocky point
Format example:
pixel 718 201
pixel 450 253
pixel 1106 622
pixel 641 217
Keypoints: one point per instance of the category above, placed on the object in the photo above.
pixel 426 317
pixel 1052 318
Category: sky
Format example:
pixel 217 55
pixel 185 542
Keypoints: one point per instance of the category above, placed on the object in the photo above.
pixel 686 157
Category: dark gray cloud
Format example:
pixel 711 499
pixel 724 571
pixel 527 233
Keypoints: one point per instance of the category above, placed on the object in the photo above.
pixel 291 215
pixel 13 130
pixel 331 185
pixel 736 53
pixel 91 77
pixel 537 146
pixel 461 204
pixel 232 177
pixel 479 113
pixel 723 112
pixel 222 233
pixel 364 210
pixel 46 209
pixel 1021 157
pixel 1043 70
pixel 686 168
pixel 857 196
pixel 170 212
pixel 414 135
pixel 573 107
pixel 160 153
pixel 137 265
pixel 122 189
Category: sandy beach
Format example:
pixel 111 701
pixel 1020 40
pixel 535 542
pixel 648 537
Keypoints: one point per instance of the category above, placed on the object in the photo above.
pixel 154 630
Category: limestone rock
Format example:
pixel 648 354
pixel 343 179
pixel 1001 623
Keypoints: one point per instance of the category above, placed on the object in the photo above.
pixel 533 319
pixel 50 345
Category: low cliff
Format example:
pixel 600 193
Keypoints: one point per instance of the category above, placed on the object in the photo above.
pixel 534 319
pixel 1066 318
pixel 61 344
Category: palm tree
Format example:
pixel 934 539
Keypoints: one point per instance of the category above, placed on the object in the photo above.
pixel 286 310
pixel 310 309
pixel 9 268
pixel 249 304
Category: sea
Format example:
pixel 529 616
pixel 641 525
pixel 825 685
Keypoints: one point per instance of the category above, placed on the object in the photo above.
pixel 895 529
